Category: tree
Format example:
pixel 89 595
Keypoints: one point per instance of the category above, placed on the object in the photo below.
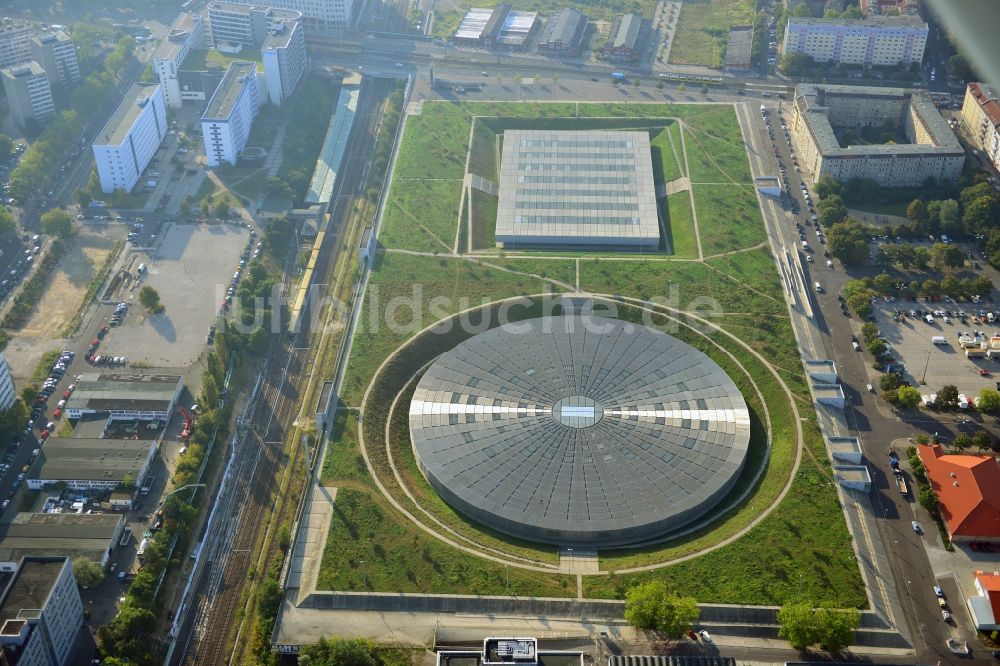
pixel 848 242
pixel 6 147
pixel 802 10
pixel 803 626
pixel 928 499
pixel 947 397
pixel 339 652
pixel 57 222
pixel 889 381
pixel 907 397
pixel 827 186
pixel 653 606
pixel 836 627
pixel 949 217
pixel 916 211
pixel 980 214
pixel 831 210
pixel 88 573
pixel 883 283
pixel 989 400
pixel 150 299
pixel 797 64
pixel 958 68
pixel 982 440
pixel 222 208
pixel 962 442
pixel 946 255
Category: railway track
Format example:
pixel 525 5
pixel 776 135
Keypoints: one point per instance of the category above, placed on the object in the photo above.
pixel 245 501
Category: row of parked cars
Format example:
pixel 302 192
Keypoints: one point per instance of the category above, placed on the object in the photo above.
pixel 250 252
pixel 20 267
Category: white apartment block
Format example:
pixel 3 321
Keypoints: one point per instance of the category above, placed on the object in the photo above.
pixel 56 53
pixel 7 394
pixel 981 120
pixel 40 612
pixel 126 144
pixel 876 41
pixel 28 93
pixel 324 15
pixel 230 113
pixel 187 33
pixel 234 26
pixel 284 56
pixel 14 46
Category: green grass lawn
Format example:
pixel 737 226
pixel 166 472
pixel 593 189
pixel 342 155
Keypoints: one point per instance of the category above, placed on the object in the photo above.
pixel 728 218
pixel 665 165
pixel 422 215
pixel 877 208
pixel 434 145
pixel 676 211
pixel 484 220
pixel 212 59
pixel 715 149
pixel 703 30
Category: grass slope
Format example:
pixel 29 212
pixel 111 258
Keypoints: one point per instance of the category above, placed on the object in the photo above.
pixel 676 210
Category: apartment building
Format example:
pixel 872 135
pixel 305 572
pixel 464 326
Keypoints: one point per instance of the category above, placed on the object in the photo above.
pixel 284 56
pixel 40 613
pixel 981 120
pixel 128 141
pixel 56 53
pixel 230 113
pixel 7 393
pixel 323 15
pixel 876 41
pixel 14 46
pixel 234 26
pixel 186 33
pixel 28 93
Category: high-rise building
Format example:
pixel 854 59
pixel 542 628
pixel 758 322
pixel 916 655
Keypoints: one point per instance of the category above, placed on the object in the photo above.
pixel 321 14
pixel 40 612
pixel 14 46
pixel 187 33
pixel 981 119
pixel 7 394
pixel 128 141
pixel 233 25
pixel 880 41
pixel 56 53
pixel 284 56
pixel 28 93
pixel 229 115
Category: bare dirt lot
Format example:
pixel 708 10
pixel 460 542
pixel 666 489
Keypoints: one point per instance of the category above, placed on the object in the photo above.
pixel 82 259
pixel 191 269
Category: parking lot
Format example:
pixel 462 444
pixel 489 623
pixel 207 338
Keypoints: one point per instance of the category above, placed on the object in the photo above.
pixel 191 268
pixel 935 365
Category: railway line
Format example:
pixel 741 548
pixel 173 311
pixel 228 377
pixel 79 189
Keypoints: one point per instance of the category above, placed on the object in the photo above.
pixel 244 500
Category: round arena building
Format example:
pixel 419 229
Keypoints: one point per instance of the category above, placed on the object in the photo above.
pixel 579 431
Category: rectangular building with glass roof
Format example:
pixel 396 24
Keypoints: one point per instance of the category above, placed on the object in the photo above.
pixel 577 188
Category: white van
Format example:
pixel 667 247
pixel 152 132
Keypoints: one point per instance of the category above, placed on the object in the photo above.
pixel 929 319
pixel 819 287
pixel 939 340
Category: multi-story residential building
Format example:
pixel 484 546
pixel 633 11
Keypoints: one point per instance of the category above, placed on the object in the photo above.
pixel 628 39
pixel 234 26
pixel 7 394
pixel 14 46
pixel 229 115
pixel 185 34
pixel 563 33
pixel 879 41
pixel 981 120
pixel 126 144
pixel 28 93
pixel 284 56
pixel 321 14
pixel 890 7
pixel 932 150
pixel 56 53
pixel 40 613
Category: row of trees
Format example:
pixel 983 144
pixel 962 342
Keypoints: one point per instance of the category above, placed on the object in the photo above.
pixel 938 256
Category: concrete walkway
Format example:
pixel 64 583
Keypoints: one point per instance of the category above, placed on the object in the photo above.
pixel 308 554
pixel 682 184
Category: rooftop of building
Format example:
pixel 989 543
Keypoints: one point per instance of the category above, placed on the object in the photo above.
pixel 968 487
pixel 517 26
pixel 120 123
pixel 180 32
pixel 990 582
pixel 78 459
pixel 8 23
pixel 243 8
pixel 113 391
pixel 225 96
pixel 473 23
pixel 30 588
pixel 280 33
pixel 844 444
pixel 987 100
pixel 626 31
pixel 905 21
pixel 23 70
pixel 852 473
pixel 563 26
pixel 810 98
pixel 50 36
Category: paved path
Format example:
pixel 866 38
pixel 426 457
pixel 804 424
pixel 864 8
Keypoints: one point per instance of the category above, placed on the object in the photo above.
pixel 308 554
pixel 681 184
pixel 274 156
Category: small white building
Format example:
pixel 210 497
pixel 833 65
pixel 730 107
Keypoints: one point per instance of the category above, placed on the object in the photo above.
pixel 284 56
pixel 41 612
pixel 985 608
pixel 187 33
pixel 126 144
pixel 230 113
pixel 7 392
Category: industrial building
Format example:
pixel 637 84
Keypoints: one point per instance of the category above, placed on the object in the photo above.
pixel 40 613
pixel 880 41
pixel 227 119
pixel 628 39
pixel 563 33
pixel 186 34
pixel 577 188
pixel 981 120
pixel 92 464
pixel 130 138
pixel 28 93
pixel 56 53
pixel 579 431
pixel 7 393
pixel 125 396
pixel 932 151
pixel 15 47
pixel 89 535
pixel 968 489
pixel 284 56
pixel 495 27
